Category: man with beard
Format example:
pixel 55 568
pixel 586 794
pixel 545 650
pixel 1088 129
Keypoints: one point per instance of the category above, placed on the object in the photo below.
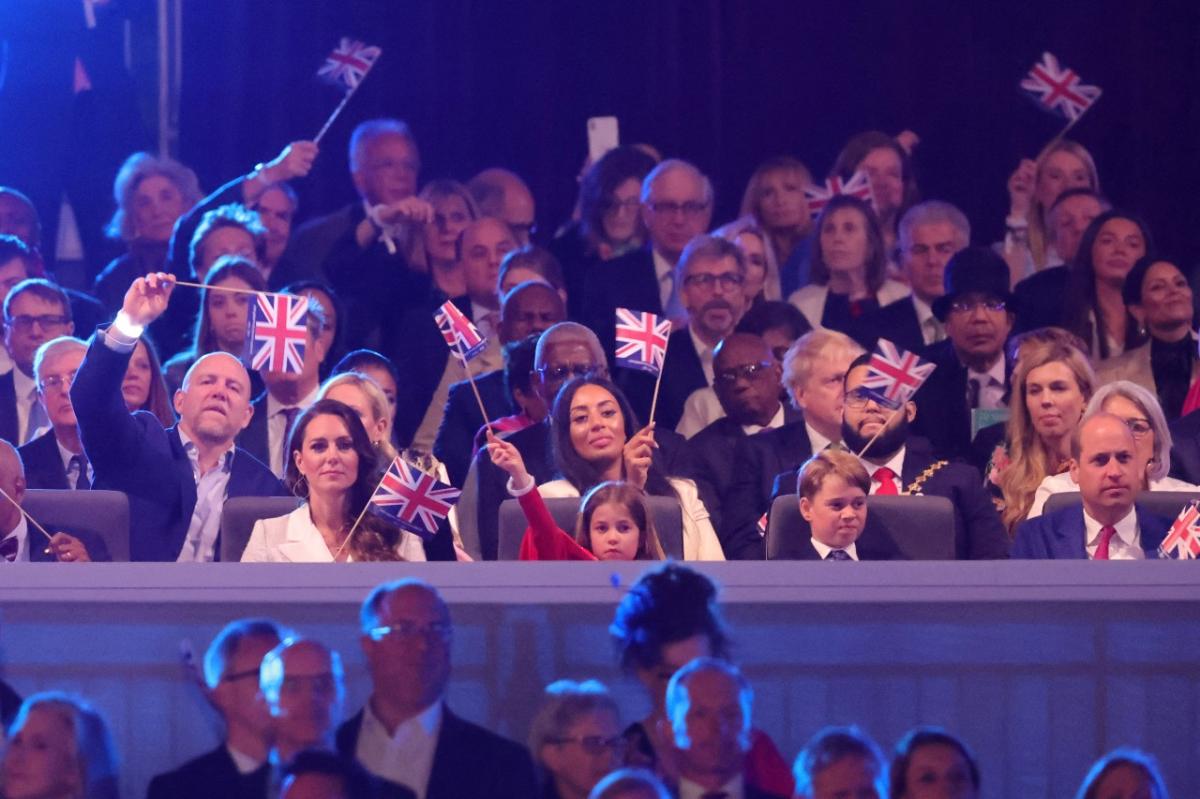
pixel 900 463
pixel 970 384
pixel 709 277
pixel 709 704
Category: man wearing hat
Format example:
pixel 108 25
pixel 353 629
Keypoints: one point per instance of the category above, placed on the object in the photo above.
pixel 969 388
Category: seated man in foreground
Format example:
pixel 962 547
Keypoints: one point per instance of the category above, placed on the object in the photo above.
pixel 1108 526
pixel 177 480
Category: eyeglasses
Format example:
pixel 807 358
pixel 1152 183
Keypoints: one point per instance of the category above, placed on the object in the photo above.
pixel 25 323
pixel 968 306
pixel 55 382
pixel 1139 427
pixel 596 745
pixel 748 371
pixel 564 372
pixel 408 631
pixel 859 397
pixel 689 209
pixel 728 280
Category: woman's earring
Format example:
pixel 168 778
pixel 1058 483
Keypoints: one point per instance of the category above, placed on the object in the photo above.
pixel 300 488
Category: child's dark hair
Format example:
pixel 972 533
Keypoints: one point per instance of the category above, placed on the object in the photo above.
pixel 669 603
pixel 631 498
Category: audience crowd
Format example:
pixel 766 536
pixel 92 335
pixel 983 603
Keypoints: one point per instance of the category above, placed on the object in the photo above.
pixel 286 734
pixel 139 386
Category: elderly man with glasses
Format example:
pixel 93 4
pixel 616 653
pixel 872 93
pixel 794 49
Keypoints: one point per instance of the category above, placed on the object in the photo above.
pixel 56 459
pixel 405 734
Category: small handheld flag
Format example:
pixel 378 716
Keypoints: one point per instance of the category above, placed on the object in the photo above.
pixel 461 336
pixel 894 375
pixel 857 186
pixel 1058 90
pixel 277 333
pixel 642 340
pixel 416 500
pixel 348 64
pixel 1183 539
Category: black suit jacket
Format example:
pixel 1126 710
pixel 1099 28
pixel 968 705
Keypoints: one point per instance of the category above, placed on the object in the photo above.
pixel 9 423
pixel 1185 448
pixel 419 352
pixel 979 533
pixel 709 464
pixel 756 461
pixel 43 465
pixel 10 703
pixel 943 414
pixel 896 321
pixel 462 419
pixel 135 454
pixel 871 545
pixel 1039 299
pixel 468 761
pixel 682 374
pixel 254 439
pixel 625 282
pixel 210 775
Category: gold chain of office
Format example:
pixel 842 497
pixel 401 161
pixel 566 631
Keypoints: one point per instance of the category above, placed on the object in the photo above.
pixel 916 485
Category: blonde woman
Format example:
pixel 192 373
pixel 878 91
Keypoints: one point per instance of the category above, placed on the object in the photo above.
pixel 1051 386
pixel 370 403
pixel 1032 189
pixel 774 200
pixel 59 747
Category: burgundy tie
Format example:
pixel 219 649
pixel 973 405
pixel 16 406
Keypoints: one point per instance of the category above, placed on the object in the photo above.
pixel 1106 535
pixel 887 482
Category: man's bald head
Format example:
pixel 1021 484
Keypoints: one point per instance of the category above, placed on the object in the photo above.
pixel 12 480
pixel 214 402
pixel 737 347
pixel 502 194
pixel 530 307
pixel 1106 467
pixel 747 379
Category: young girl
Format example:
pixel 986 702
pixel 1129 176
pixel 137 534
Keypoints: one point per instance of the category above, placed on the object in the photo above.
pixel 613 524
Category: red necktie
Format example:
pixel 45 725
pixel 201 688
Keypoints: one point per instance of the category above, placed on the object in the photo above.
pixel 887 482
pixel 1106 534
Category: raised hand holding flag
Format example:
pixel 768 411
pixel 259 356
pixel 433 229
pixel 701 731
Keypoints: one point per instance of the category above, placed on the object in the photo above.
pixel 859 185
pixel 1183 539
pixel 277 333
pixel 1058 90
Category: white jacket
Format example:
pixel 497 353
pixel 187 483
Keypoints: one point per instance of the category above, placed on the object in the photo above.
pixel 295 539
pixel 811 299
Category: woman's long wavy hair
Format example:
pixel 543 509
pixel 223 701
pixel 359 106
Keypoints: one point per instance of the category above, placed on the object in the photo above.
pixel 384 450
pixel 1030 460
pixel 375 538
pixel 633 500
pixel 583 474
pixel 1081 312
pixel 1038 212
pixel 158 401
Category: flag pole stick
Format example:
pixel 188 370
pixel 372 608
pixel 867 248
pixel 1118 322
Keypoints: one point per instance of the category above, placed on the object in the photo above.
pixel 880 430
pixel 474 388
pixel 28 518
pixel 329 122
pixel 225 288
pixel 658 382
pixel 354 526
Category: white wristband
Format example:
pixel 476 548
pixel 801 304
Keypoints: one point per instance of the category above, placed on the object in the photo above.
pixel 127 327
pixel 523 490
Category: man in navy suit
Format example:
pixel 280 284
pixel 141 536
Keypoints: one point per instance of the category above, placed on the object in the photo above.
pixel 709 280
pixel 929 234
pixel 238 767
pixel 177 480
pixel 19 541
pixel 1108 526
pixel 55 459
pixel 677 203
pixel 405 734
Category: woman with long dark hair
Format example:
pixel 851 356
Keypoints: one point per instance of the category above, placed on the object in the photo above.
pixel 331 464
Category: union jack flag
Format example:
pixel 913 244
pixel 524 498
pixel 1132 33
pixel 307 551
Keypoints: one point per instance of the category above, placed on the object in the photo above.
pixel 857 186
pixel 1057 89
pixel 416 500
pixel 349 63
pixel 894 375
pixel 1183 540
pixel 642 340
pixel 457 330
pixel 277 334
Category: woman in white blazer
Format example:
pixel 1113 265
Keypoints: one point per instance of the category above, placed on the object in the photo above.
pixel 849 268
pixel 596 439
pixel 333 466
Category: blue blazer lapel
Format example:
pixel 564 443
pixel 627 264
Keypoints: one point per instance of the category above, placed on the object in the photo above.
pixel 186 481
pixel 1070 536
pixel 1152 529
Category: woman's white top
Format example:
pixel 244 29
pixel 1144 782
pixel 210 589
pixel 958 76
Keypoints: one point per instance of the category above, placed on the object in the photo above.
pixel 811 299
pixel 1062 483
pixel 295 539
pixel 700 540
